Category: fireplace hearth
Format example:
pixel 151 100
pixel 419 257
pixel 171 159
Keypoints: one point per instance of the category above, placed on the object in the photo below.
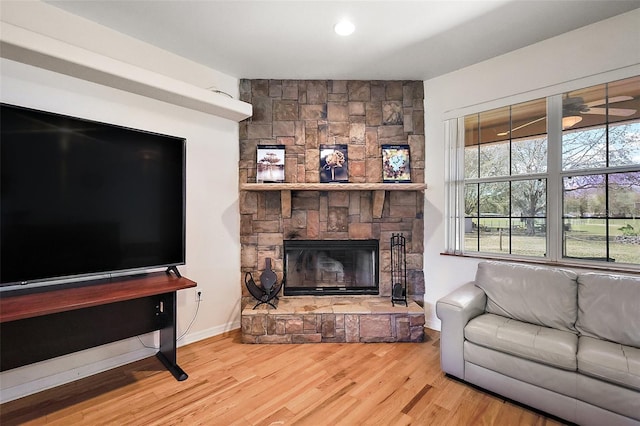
pixel 331 267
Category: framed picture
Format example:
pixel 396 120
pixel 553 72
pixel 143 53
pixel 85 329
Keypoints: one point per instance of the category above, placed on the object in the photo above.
pixel 270 163
pixel 334 163
pixel 396 165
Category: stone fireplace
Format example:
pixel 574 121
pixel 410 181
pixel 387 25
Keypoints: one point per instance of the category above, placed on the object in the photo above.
pixel 301 115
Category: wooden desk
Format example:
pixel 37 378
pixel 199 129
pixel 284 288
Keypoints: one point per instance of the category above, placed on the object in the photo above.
pixel 40 324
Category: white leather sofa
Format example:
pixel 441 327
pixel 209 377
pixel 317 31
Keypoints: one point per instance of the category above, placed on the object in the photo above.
pixel 563 342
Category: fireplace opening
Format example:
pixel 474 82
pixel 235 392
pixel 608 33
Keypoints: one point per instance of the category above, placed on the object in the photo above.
pixel 346 267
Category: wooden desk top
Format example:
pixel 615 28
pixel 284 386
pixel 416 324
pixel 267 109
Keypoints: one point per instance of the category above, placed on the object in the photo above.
pixel 45 302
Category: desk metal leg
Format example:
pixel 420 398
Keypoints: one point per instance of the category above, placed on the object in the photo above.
pixel 168 335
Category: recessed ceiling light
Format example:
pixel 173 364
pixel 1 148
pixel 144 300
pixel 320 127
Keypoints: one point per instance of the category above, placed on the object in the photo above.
pixel 344 28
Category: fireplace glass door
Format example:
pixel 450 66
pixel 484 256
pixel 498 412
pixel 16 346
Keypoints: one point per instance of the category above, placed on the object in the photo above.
pixel 331 267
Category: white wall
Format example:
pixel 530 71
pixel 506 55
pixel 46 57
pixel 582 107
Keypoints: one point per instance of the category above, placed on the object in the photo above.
pixel 213 249
pixel 601 52
pixel 212 240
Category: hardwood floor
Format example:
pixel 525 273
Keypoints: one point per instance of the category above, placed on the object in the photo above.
pixel 231 383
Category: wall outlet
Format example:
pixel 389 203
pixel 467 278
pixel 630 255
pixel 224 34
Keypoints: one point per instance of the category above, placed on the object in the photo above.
pixel 197 295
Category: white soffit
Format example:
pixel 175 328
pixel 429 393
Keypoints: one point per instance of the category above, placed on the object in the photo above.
pixel 21 45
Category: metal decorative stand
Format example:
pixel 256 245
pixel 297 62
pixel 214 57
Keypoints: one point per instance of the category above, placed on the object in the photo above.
pixel 269 289
pixel 259 293
pixel 398 270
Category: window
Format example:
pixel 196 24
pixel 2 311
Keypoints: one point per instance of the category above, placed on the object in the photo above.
pixel 556 178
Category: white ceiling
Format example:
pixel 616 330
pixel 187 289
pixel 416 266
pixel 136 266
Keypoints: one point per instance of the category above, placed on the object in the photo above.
pixel 295 40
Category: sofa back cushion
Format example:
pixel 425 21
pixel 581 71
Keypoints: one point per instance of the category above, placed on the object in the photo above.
pixel 536 294
pixel 609 307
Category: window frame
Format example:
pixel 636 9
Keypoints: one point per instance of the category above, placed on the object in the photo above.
pixel 454 129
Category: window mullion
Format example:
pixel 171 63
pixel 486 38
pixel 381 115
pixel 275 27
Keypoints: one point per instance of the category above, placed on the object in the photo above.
pixel 555 232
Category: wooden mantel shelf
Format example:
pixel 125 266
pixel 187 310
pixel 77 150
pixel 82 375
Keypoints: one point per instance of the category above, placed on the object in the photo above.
pixel 333 186
pixel 379 191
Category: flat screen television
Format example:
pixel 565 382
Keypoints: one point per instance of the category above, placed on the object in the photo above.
pixel 82 198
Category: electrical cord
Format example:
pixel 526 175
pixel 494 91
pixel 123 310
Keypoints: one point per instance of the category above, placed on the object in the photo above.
pixel 192 320
pixel 195 315
pixel 214 90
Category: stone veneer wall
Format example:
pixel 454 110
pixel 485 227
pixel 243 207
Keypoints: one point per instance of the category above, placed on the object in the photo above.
pixel 302 115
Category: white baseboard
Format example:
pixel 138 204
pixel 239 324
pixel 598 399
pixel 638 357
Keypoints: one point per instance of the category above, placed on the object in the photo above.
pixel 67 376
pixel 430 319
pixel 58 379
pixel 432 325
pixel 210 332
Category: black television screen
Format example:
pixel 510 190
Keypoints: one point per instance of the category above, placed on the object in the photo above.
pixel 84 198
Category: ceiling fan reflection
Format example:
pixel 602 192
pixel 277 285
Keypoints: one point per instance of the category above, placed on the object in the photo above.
pixel 572 107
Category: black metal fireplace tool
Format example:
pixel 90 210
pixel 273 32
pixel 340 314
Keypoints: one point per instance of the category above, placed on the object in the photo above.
pixel 269 289
pixel 398 270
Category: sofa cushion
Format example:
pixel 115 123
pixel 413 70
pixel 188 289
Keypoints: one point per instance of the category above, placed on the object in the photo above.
pixel 609 307
pixel 542 375
pixel 541 344
pixel 609 361
pixel 535 294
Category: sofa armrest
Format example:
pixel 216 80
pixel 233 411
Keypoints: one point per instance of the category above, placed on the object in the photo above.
pixel 455 310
